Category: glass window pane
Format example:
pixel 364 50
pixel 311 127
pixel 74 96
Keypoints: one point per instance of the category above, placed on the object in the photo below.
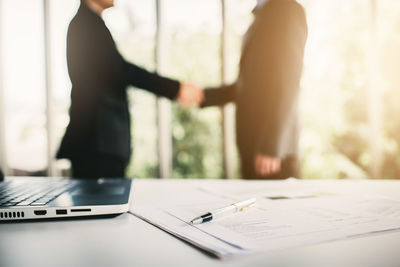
pixel 389 79
pixel 334 90
pixel 23 63
pixel 192 53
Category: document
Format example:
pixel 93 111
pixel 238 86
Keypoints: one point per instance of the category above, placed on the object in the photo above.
pixel 280 220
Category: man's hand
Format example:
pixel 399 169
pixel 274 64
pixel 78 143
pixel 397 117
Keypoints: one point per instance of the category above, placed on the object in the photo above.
pixel 265 165
pixel 190 95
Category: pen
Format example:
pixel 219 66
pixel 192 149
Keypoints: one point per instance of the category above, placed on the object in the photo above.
pixel 235 207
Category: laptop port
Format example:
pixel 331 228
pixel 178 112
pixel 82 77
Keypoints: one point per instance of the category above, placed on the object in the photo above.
pixel 61 212
pixel 40 212
pixel 81 210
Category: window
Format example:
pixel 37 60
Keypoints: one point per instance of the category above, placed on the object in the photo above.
pixel 23 85
pixel 388 27
pixel 192 53
pixel 349 88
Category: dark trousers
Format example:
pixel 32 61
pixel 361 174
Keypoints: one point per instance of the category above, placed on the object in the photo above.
pixel 98 166
pixel 289 168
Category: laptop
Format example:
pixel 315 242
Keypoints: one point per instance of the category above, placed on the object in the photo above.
pixel 28 198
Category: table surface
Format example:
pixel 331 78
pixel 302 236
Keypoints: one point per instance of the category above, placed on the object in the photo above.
pixel 126 240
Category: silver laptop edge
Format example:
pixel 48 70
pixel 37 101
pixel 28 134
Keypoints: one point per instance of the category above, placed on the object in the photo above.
pixel 19 213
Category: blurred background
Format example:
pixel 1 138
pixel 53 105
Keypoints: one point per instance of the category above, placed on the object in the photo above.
pixel 349 89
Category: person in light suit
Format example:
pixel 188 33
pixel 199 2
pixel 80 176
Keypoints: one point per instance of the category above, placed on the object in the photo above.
pixel 267 89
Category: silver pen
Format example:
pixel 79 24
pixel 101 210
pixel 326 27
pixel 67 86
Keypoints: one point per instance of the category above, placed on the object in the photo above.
pixel 235 207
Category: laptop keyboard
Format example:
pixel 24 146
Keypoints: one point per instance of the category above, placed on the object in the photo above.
pixel 16 193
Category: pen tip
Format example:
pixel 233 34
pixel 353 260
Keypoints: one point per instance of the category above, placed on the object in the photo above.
pixel 196 221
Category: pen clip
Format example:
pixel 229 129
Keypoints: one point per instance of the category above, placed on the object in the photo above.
pixel 248 207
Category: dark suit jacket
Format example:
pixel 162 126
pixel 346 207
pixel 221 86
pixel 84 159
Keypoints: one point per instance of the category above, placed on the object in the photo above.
pixel 99 113
pixel 266 90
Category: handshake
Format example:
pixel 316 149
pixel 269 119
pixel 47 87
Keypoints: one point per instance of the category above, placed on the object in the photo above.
pixel 190 95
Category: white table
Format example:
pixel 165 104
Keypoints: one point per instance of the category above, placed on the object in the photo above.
pixel 128 241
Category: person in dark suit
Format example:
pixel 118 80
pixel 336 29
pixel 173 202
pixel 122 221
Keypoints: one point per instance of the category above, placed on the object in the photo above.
pixel 98 139
pixel 266 91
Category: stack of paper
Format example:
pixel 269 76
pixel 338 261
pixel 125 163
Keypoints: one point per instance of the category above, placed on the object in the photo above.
pixel 280 219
